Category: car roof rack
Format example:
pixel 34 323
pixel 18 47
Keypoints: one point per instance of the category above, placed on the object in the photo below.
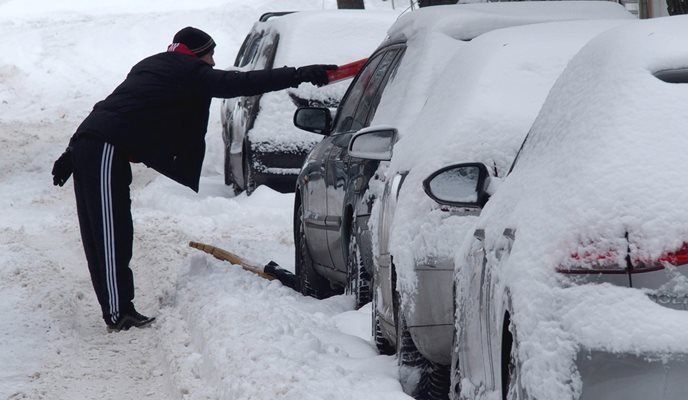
pixel 269 15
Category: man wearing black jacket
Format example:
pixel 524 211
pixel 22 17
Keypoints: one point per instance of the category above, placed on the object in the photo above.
pixel 157 116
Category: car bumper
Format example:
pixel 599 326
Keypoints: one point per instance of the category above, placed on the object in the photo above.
pixel 431 322
pixel 278 170
pixel 632 377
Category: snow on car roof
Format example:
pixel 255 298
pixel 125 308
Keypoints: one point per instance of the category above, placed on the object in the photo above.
pixel 329 36
pixel 466 21
pixel 486 99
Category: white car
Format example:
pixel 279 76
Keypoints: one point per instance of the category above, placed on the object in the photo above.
pixel 262 146
pixel 574 283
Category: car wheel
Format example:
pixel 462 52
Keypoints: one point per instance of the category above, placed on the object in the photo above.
pixel 383 345
pixel 249 181
pixel 358 279
pixel 309 283
pixel 511 367
pixel 419 377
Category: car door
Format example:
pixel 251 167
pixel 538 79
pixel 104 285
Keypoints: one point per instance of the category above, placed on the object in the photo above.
pixel 384 279
pixel 472 352
pixel 315 199
pixel 342 173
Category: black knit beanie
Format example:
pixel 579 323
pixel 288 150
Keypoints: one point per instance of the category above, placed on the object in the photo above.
pixel 199 42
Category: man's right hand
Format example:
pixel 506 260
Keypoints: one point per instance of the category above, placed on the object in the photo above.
pixel 315 74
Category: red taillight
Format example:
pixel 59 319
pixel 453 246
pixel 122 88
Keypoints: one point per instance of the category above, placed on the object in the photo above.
pixel 617 262
pixel 679 257
pixel 604 262
pixel 345 71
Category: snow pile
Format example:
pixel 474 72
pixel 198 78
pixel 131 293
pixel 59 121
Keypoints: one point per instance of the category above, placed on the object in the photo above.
pixel 604 159
pixel 301 355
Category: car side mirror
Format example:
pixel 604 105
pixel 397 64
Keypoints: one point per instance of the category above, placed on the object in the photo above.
pixel 373 143
pixel 313 119
pixel 459 185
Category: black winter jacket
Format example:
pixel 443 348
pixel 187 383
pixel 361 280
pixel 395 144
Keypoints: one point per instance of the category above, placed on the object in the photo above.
pixel 159 114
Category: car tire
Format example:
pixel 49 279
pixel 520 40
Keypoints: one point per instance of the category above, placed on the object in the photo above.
pixel 419 377
pixel 249 181
pixel 381 343
pixel 358 279
pixel 309 283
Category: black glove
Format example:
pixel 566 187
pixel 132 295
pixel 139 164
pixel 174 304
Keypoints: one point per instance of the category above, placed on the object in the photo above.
pixel 63 167
pixel 315 74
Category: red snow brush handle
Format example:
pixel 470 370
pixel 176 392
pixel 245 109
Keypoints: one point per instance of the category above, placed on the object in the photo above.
pixel 345 71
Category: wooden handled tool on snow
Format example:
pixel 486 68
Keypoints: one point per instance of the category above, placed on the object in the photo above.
pixel 225 255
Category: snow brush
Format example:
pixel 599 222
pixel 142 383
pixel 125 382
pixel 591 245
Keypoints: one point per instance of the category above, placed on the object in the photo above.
pixel 345 71
pixel 270 271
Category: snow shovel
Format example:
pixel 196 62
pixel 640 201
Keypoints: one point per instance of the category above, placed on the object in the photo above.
pixel 270 271
pixel 345 71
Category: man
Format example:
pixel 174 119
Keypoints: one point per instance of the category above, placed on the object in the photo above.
pixel 158 116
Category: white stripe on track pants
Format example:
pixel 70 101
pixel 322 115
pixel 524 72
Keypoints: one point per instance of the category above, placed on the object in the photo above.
pixel 102 176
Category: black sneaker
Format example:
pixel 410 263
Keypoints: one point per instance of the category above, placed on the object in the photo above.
pixel 130 319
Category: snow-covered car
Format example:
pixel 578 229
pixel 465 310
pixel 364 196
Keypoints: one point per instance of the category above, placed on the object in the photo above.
pixel 332 207
pixel 261 144
pixel 574 283
pixel 480 110
pixel 330 231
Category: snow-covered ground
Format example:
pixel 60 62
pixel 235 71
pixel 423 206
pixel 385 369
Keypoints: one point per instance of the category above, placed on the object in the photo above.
pixel 221 333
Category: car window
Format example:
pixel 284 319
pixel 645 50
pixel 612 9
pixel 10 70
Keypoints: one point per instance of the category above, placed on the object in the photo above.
pixel 242 50
pixel 268 49
pixel 250 49
pixel 361 102
pixel 371 95
pixel 347 109
pixel 375 100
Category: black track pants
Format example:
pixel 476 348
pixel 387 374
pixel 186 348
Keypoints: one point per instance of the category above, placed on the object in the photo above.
pixel 102 176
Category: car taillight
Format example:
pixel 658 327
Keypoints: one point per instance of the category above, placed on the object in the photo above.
pixel 587 262
pixel 618 262
pixel 679 257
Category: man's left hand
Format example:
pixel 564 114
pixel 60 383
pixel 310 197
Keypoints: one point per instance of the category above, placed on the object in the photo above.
pixel 315 74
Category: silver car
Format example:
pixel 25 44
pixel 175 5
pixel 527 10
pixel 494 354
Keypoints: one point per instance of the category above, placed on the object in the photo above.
pixel 479 111
pixel 574 282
